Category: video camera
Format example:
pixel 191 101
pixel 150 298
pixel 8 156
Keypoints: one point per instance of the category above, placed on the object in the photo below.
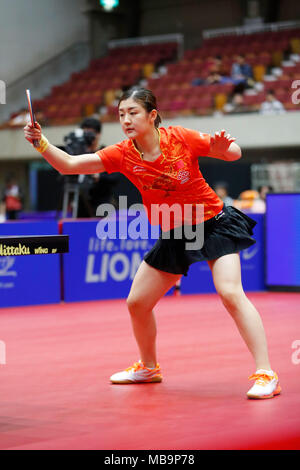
pixel 78 141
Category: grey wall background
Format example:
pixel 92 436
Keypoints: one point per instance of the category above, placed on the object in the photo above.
pixel 33 31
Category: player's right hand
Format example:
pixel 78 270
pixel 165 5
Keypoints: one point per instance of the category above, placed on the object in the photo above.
pixel 33 133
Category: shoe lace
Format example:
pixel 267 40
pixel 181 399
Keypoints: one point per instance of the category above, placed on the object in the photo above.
pixel 136 366
pixel 261 379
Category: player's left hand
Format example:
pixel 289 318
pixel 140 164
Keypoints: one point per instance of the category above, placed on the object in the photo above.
pixel 220 142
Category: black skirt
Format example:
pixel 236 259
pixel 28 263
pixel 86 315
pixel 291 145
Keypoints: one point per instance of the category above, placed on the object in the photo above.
pixel 228 232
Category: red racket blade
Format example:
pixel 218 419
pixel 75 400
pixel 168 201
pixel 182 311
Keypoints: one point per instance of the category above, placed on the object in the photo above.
pixel 32 115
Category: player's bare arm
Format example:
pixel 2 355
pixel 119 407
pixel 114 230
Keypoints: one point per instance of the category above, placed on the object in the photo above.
pixel 223 146
pixel 63 162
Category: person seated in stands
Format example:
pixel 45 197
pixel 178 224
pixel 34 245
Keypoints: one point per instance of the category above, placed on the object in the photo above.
pixel 240 69
pixel 213 77
pixel 217 74
pixel 214 73
pixel 272 105
pixel 215 65
pixel 242 73
pixel 235 105
pixel 198 81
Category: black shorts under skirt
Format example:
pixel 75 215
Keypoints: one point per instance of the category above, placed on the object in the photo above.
pixel 228 232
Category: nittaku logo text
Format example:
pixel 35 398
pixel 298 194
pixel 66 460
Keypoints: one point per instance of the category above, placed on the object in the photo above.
pixel 14 250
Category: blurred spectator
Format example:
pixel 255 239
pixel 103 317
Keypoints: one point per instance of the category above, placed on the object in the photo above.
pixel 272 105
pixel 242 73
pixel 212 78
pixel 235 105
pixel 246 200
pixel 221 189
pixel 217 65
pixel 198 81
pixel 259 204
pixel 12 199
pixel 263 190
pixel 241 70
pixel 253 201
pixel 213 73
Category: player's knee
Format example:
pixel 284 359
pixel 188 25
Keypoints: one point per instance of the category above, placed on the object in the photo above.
pixel 230 294
pixel 135 304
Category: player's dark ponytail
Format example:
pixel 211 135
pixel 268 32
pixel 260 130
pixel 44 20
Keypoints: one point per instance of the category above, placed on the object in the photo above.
pixel 143 96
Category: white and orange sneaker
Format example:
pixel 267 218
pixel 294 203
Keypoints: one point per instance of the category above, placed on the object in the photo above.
pixel 138 373
pixel 266 384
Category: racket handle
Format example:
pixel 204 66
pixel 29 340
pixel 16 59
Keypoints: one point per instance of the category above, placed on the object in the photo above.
pixel 36 143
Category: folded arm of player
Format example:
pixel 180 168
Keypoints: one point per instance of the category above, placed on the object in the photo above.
pixel 63 162
pixel 222 146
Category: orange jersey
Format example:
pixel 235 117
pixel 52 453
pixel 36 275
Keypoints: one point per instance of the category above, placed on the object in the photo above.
pixel 172 181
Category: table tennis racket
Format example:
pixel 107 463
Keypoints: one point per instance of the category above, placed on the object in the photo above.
pixel 32 115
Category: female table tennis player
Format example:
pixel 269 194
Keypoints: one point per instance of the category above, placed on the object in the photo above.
pixel 163 164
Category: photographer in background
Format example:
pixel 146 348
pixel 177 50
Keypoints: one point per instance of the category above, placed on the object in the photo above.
pixel 92 189
pixel 101 188
pixel 91 127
